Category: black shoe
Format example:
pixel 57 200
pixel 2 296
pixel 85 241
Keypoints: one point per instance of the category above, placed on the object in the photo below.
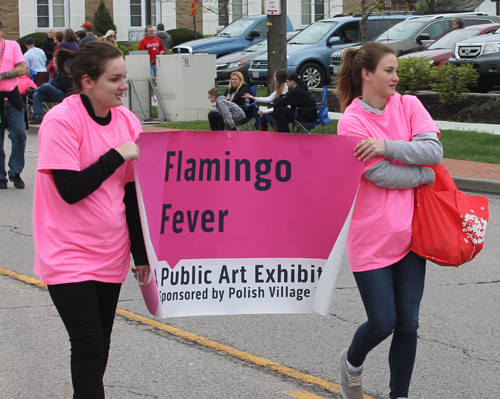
pixel 18 182
pixel 3 184
pixel 37 121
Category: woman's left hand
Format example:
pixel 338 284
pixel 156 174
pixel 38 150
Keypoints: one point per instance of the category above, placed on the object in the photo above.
pixel 141 273
pixel 369 148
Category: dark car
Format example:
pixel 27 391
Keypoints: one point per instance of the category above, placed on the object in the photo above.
pixel 440 51
pixel 417 32
pixel 240 61
pixel 483 53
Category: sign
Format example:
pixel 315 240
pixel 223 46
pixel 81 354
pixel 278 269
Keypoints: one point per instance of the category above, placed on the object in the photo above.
pixel 193 9
pixel 244 222
pixel 273 7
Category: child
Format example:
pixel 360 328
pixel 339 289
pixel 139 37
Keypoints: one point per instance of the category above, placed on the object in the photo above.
pixel 231 113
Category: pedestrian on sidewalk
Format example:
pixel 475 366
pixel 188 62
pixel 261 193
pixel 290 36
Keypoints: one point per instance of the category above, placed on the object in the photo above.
pixel 12 65
pixel 397 134
pixel 85 214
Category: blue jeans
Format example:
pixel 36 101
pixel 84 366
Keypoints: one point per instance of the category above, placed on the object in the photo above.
pixel 270 118
pixel 391 296
pixel 152 69
pixel 13 120
pixel 45 93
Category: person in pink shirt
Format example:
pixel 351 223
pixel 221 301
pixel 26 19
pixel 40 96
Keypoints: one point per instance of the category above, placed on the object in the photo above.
pixel 85 213
pixel 398 134
pixel 25 83
pixel 154 45
pixel 12 65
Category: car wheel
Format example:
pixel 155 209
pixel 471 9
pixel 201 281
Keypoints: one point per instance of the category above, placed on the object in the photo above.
pixel 312 75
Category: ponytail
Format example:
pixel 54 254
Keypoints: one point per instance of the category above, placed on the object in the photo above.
pixel 350 82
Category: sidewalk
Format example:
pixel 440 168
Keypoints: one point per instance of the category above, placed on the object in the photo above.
pixel 471 176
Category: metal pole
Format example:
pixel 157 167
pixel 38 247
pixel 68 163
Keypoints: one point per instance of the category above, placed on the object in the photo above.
pixel 276 44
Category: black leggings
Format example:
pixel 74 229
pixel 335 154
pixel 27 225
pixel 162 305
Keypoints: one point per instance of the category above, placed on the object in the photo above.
pixel 88 312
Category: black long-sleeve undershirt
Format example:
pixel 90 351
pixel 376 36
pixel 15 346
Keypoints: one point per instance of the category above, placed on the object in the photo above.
pixel 74 186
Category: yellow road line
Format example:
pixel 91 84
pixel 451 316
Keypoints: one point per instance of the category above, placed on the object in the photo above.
pixel 22 277
pixel 303 395
pixel 247 357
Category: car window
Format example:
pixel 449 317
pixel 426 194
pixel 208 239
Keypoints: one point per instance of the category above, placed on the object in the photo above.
pixel 471 22
pixel 348 33
pixel 401 31
pixel 237 28
pixel 261 27
pixel 448 41
pixel 377 26
pixel 436 28
pixel 313 33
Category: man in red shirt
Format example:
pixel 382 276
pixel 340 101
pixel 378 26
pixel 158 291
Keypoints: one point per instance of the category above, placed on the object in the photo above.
pixel 154 46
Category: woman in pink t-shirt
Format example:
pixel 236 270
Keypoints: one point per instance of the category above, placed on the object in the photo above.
pixel 85 213
pixel 398 135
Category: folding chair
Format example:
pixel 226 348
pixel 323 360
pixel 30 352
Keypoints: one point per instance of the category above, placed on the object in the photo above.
pixel 251 123
pixel 321 120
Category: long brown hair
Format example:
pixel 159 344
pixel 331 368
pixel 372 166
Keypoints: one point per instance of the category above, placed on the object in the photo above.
pixel 90 59
pixel 281 75
pixel 350 82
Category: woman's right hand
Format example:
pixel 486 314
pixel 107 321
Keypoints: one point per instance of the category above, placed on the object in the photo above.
pixel 431 184
pixel 129 151
pixel 248 95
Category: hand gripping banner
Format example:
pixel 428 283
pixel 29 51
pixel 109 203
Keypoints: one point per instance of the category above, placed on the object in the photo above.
pixel 244 222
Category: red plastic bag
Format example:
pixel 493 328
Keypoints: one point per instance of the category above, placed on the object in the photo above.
pixel 448 225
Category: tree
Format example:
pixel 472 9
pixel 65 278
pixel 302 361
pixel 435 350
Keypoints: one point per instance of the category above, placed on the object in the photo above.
pixel 102 19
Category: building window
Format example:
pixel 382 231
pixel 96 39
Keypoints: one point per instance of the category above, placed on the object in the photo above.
pixel 314 10
pixel 230 11
pixel 143 13
pixel 51 13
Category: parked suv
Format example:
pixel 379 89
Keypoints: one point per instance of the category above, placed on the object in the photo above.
pixel 483 52
pixel 234 37
pixel 309 52
pixel 418 31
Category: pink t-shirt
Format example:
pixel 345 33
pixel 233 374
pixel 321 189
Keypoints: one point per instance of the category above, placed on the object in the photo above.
pixel 380 231
pixel 24 83
pixel 88 240
pixel 12 55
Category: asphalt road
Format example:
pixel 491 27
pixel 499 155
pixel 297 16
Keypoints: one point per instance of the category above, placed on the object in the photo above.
pixel 458 355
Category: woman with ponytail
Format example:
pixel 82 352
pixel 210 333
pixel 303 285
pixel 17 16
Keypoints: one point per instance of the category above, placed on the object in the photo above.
pixel 268 117
pixel 86 218
pixel 397 134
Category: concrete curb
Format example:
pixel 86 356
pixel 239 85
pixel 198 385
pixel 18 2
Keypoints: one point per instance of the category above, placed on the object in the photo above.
pixel 474 184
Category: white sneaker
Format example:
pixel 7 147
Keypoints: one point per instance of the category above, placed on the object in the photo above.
pixel 350 381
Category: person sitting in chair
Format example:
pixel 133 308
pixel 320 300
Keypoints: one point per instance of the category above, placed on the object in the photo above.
pixel 301 102
pixel 235 93
pixel 55 91
pixel 231 114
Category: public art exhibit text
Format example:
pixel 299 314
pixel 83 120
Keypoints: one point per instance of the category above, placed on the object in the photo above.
pixel 280 282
